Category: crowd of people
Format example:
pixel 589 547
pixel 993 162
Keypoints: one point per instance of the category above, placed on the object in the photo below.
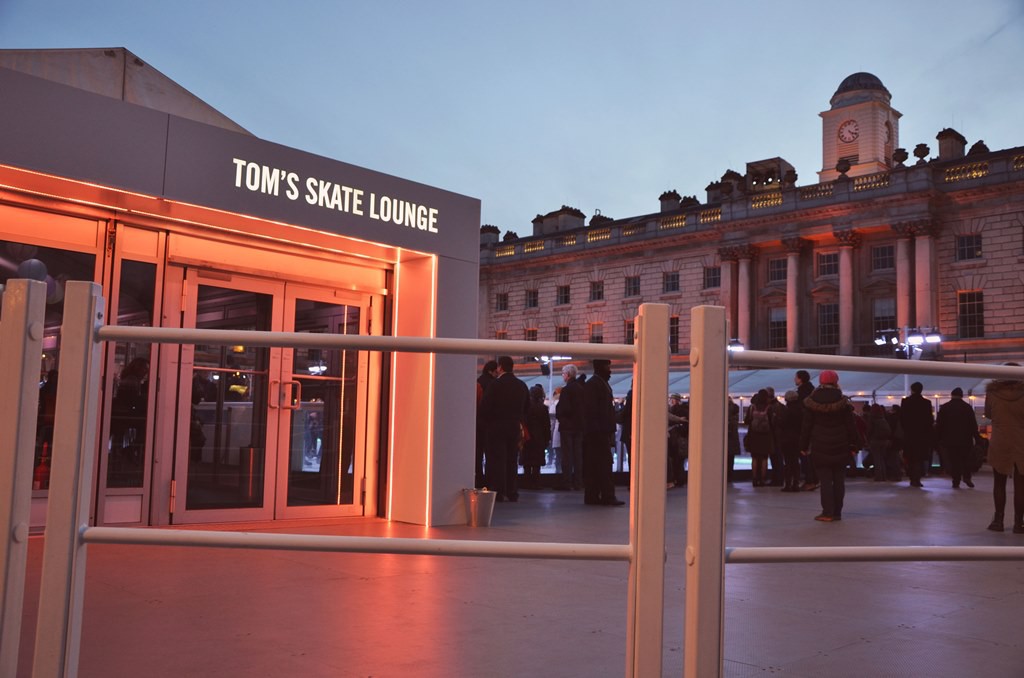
pixel 810 440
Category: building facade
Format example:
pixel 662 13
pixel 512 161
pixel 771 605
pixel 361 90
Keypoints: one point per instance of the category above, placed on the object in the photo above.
pixel 883 246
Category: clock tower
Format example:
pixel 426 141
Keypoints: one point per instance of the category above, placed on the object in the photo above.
pixel 860 127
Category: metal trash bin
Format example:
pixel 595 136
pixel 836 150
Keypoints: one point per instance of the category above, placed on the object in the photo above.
pixel 479 506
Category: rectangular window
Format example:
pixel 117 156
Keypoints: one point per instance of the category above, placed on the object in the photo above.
pixel 883 315
pixel 970 316
pixel 778 270
pixel 561 295
pixel 501 301
pixel 828 324
pixel 532 299
pixel 630 334
pixel 968 247
pixel 673 334
pixel 777 327
pixel 712 277
pixel 883 258
pixel 596 333
pixel 670 282
pixel 632 288
pixel 597 290
pixel 501 334
pixel 828 263
pixel 561 333
pixel 530 334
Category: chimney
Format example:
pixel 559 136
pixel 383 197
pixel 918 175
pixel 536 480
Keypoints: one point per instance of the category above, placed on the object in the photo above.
pixel 669 201
pixel 489 235
pixel 951 144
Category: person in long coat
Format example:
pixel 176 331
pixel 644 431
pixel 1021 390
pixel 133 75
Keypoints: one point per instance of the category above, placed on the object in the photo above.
pixel 538 437
pixel 1004 406
pixel 956 428
pixel 599 437
pixel 829 435
pixel 919 433
pixel 503 408
pixel 760 438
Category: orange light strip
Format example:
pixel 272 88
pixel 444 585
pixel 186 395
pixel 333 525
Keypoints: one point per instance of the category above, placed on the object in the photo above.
pixel 428 513
pixel 391 398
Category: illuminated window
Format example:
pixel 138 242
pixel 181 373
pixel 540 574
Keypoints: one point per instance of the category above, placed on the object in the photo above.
pixel 530 334
pixel 712 277
pixel 597 290
pixel 532 299
pixel 561 295
pixel 777 270
pixel 777 327
pixel 596 333
pixel 501 301
pixel 501 334
pixel 828 263
pixel 883 258
pixel 970 317
pixel 673 334
pixel 828 324
pixel 968 247
pixel 561 333
pixel 630 331
pixel 632 288
pixel 670 282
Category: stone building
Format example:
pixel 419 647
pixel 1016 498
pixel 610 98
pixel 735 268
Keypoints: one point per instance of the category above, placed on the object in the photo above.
pixel 882 245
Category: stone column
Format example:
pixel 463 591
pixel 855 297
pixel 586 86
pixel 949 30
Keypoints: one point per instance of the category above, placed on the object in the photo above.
pixel 924 297
pixel 904 271
pixel 744 305
pixel 727 256
pixel 848 240
pixel 793 247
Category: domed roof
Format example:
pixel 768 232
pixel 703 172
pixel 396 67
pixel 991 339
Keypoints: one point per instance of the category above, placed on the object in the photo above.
pixel 860 81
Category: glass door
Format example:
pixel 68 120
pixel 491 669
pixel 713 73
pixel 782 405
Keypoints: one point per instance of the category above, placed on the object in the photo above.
pixel 232 394
pixel 321 429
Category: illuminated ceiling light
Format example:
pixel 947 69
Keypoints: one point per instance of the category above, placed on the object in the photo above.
pixel 735 345
pixel 915 338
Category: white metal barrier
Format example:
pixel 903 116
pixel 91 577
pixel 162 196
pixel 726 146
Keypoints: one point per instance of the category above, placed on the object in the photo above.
pixel 706 554
pixel 74 449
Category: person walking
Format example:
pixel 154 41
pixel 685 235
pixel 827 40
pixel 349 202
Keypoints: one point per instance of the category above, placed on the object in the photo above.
pixel 829 436
pixel 956 428
pixel 1004 406
pixel 919 432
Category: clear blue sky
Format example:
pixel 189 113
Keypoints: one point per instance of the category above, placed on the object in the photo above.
pixel 533 104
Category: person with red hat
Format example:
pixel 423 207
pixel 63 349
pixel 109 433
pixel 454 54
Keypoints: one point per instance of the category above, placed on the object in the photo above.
pixel 829 435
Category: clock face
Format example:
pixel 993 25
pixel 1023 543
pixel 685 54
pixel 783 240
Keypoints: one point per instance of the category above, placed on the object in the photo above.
pixel 849 131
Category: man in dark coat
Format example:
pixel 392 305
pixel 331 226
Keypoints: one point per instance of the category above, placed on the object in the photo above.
pixel 804 388
pixel 503 406
pixel 956 428
pixel 918 431
pixel 487 375
pixel 569 412
pixel 599 437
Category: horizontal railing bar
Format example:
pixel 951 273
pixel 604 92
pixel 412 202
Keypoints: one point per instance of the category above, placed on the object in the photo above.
pixel 362 342
pixel 857 364
pixel 832 554
pixel 345 544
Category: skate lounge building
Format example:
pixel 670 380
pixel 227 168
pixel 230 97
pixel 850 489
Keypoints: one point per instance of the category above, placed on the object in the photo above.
pixel 110 172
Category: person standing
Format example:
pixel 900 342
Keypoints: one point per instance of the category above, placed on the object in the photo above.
pixel 919 432
pixel 776 457
pixel 733 435
pixel 1004 406
pixel 829 435
pixel 879 437
pixel 504 405
pixel 569 413
pixel 538 437
pixel 487 375
pixel 789 424
pixel 599 437
pixel 760 438
pixel 956 428
pixel 804 388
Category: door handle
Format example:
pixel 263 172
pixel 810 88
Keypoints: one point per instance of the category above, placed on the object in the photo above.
pixel 294 402
pixel 272 402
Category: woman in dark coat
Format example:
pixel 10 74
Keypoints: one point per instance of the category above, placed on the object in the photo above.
pixel 538 428
pixel 829 435
pixel 760 438
pixel 789 429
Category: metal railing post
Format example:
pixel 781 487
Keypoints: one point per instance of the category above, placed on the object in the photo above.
pixel 705 507
pixel 62 584
pixel 647 464
pixel 21 336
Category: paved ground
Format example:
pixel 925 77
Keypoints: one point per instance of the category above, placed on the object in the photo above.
pixel 171 612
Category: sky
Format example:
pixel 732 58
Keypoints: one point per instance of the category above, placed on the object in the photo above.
pixel 535 104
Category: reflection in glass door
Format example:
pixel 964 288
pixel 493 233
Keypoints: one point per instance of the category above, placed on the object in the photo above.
pixel 323 434
pixel 229 422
